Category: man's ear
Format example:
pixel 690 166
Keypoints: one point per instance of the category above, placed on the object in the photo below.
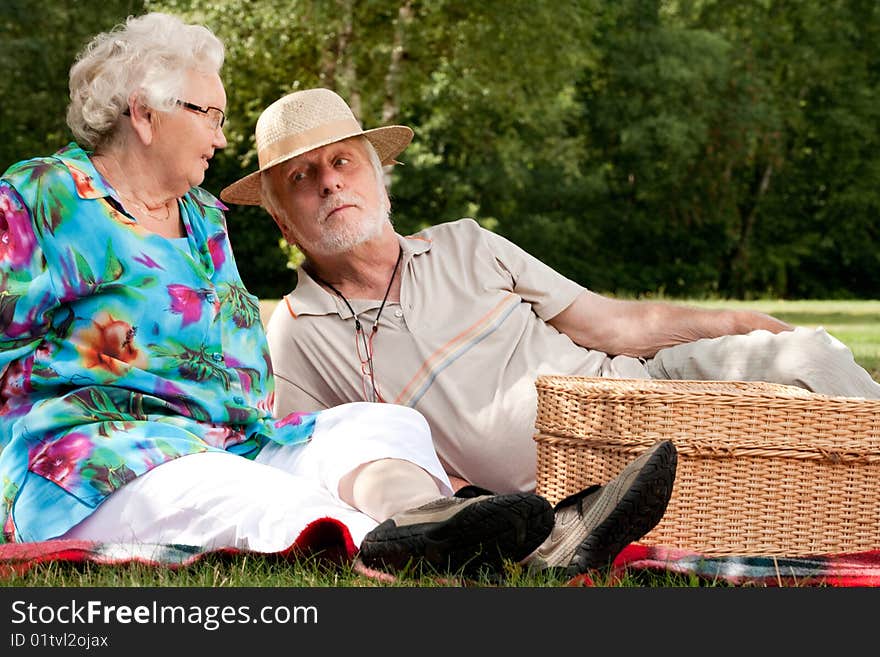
pixel 279 221
pixel 286 233
pixel 142 119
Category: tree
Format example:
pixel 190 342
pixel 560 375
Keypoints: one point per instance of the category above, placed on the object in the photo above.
pixel 487 88
pixel 680 147
pixel 37 48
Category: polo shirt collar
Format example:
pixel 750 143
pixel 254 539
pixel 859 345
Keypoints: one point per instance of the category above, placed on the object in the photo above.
pixel 309 298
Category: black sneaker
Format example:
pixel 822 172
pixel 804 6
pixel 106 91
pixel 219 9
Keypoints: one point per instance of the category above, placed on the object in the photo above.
pixel 594 525
pixel 460 535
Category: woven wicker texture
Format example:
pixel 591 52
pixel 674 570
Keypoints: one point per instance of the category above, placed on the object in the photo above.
pixel 763 469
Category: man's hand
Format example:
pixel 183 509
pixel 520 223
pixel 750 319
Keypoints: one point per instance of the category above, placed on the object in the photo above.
pixel 749 320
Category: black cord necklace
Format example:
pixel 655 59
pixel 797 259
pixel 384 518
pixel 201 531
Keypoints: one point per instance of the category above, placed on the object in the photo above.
pixel 359 334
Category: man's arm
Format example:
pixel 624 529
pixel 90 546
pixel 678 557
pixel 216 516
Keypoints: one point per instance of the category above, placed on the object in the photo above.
pixel 641 328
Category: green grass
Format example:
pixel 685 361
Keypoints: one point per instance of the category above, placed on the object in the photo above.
pixel 251 570
pixel 856 323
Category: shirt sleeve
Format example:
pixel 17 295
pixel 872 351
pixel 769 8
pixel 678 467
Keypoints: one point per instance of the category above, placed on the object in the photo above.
pixel 547 290
pixel 26 292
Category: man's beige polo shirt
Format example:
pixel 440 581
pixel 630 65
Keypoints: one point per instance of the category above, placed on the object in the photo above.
pixel 463 346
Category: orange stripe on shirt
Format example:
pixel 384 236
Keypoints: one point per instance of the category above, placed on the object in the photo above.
pixel 454 348
pixel 289 307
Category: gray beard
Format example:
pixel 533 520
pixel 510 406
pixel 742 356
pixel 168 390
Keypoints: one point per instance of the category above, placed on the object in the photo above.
pixel 347 237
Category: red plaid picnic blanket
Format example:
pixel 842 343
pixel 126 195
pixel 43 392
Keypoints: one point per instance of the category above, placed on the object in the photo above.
pixel 331 539
pixel 326 536
pixel 854 569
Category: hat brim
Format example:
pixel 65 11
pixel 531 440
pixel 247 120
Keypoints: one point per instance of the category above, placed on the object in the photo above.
pixel 389 141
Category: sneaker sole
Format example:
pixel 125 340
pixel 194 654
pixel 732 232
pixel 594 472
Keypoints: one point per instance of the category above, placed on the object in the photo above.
pixel 480 536
pixel 638 512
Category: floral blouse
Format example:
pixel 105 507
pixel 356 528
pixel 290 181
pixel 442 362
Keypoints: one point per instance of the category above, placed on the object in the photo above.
pixel 120 349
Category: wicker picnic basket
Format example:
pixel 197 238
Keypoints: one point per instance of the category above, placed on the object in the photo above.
pixel 763 469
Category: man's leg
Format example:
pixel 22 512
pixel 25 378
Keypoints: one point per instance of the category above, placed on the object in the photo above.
pixel 804 357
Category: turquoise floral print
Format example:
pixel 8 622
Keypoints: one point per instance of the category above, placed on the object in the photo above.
pixel 120 349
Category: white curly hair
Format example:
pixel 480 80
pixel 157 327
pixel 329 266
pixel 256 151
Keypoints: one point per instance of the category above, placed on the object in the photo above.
pixel 149 55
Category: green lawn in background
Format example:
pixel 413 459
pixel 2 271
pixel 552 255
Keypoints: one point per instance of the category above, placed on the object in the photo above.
pixel 266 308
pixel 856 323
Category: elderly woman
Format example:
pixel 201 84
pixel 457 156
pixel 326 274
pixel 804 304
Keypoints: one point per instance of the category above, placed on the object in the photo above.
pixel 135 385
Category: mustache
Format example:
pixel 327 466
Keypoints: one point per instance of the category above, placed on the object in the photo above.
pixel 342 198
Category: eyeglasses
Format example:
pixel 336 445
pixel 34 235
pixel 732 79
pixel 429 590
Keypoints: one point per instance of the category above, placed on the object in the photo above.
pixel 216 117
pixel 365 355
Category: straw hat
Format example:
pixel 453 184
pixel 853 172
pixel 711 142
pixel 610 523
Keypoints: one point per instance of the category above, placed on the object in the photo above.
pixel 303 121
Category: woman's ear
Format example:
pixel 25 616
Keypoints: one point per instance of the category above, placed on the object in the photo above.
pixel 142 119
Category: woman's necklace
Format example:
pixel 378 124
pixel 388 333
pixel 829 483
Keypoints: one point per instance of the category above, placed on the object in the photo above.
pixel 105 168
pixel 369 375
pixel 150 212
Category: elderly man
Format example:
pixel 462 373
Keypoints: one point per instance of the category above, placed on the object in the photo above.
pixel 456 321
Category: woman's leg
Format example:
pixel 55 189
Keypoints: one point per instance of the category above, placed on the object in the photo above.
pixel 216 500
pixel 388 486
pixel 378 458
